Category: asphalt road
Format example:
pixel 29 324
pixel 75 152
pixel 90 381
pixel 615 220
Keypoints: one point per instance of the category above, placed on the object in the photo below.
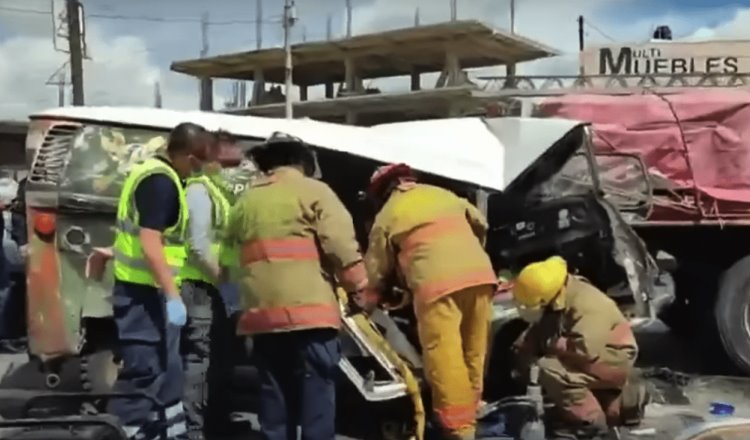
pixel 659 348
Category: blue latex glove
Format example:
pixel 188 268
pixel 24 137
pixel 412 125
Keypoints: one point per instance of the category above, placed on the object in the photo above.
pixel 176 312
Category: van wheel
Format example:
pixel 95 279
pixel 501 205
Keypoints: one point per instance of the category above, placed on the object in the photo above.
pixel 732 314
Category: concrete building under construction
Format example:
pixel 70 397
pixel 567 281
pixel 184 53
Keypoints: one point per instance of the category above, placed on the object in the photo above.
pixel 342 66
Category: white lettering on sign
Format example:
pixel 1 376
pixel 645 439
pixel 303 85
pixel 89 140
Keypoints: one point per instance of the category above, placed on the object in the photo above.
pixel 668 59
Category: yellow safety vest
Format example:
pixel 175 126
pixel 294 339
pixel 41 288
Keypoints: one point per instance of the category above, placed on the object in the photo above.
pixel 219 217
pixel 130 263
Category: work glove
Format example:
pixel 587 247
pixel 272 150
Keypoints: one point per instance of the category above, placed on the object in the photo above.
pixel 176 312
pixel 366 299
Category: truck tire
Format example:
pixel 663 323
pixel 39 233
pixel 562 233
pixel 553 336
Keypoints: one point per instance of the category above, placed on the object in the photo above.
pixel 732 314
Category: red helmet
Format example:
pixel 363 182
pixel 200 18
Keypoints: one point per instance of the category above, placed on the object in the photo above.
pixel 387 174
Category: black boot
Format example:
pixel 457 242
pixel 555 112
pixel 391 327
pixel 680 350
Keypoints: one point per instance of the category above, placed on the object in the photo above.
pixel 635 397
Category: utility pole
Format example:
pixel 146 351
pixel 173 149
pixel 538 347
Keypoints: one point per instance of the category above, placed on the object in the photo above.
pixel 157 95
pixel 329 28
pixel 580 33
pixel 416 17
pixel 206 85
pixel 73 11
pixel 259 24
pixel 289 19
pixel 512 16
pixel 454 10
pixel 348 18
pixel 61 89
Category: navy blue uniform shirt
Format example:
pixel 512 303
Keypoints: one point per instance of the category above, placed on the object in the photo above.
pixel 158 205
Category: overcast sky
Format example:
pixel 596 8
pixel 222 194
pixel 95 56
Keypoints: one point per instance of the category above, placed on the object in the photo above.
pixel 132 42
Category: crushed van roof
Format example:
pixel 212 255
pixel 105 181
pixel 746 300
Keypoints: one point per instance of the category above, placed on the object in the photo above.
pixel 462 149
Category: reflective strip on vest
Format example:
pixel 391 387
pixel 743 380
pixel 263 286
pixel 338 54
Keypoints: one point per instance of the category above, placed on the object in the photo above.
pixel 131 228
pixel 220 214
pixel 289 318
pixel 278 249
pixel 130 264
pixel 140 263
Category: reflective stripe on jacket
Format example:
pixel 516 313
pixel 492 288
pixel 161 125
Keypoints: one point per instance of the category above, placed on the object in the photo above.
pixel 296 239
pixel 129 262
pixel 432 239
pixel 219 219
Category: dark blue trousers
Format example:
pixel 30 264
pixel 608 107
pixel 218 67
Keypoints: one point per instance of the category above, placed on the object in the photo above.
pixel 149 349
pixel 297 374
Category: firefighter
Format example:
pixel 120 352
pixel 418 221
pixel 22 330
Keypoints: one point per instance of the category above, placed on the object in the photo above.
pixel 149 250
pixel 583 345
pixel 432 240
pixel 207 335
pixel 295 240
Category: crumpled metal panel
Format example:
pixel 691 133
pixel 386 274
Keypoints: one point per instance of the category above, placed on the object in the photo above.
pixel 82 186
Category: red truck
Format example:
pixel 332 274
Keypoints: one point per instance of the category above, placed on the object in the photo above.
pixel 695 148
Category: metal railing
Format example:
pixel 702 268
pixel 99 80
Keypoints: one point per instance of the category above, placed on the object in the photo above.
pixel 545 85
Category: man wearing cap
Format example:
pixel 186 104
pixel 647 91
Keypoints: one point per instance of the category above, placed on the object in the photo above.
pixel 583 345
pixel 296 242
pixel 430 241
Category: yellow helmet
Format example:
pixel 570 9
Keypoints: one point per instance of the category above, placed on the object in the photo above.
pixel 539 283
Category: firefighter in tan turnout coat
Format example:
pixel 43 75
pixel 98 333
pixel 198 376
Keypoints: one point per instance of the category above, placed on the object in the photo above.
pixel 431 240
pixel 296 241
pixel 584 346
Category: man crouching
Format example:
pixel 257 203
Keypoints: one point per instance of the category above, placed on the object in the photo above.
pixel 584 346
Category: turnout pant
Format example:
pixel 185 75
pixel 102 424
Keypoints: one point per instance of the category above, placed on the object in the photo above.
pixel 297 374
pixel 149 350
pixel 207 357
pixel 580 398
pixel 453 332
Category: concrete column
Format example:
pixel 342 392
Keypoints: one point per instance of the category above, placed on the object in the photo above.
pixel 207 95
pixel 452 66
pixel 416 81
pixel 351 117
pixel 329 90
pixel 510 75
pixel 352 81
pixel 259 87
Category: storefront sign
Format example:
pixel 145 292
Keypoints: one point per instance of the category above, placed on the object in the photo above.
pixel 668 58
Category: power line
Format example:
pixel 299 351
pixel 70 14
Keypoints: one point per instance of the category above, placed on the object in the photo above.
pixel 177 20
pixel 146 18
pixel 24 11
pixel 598 30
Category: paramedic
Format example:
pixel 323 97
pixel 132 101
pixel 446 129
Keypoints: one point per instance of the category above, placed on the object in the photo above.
pixel 296 239
pixel 584 345
pixel 433 240
pixel 207 336
pixel 149 250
